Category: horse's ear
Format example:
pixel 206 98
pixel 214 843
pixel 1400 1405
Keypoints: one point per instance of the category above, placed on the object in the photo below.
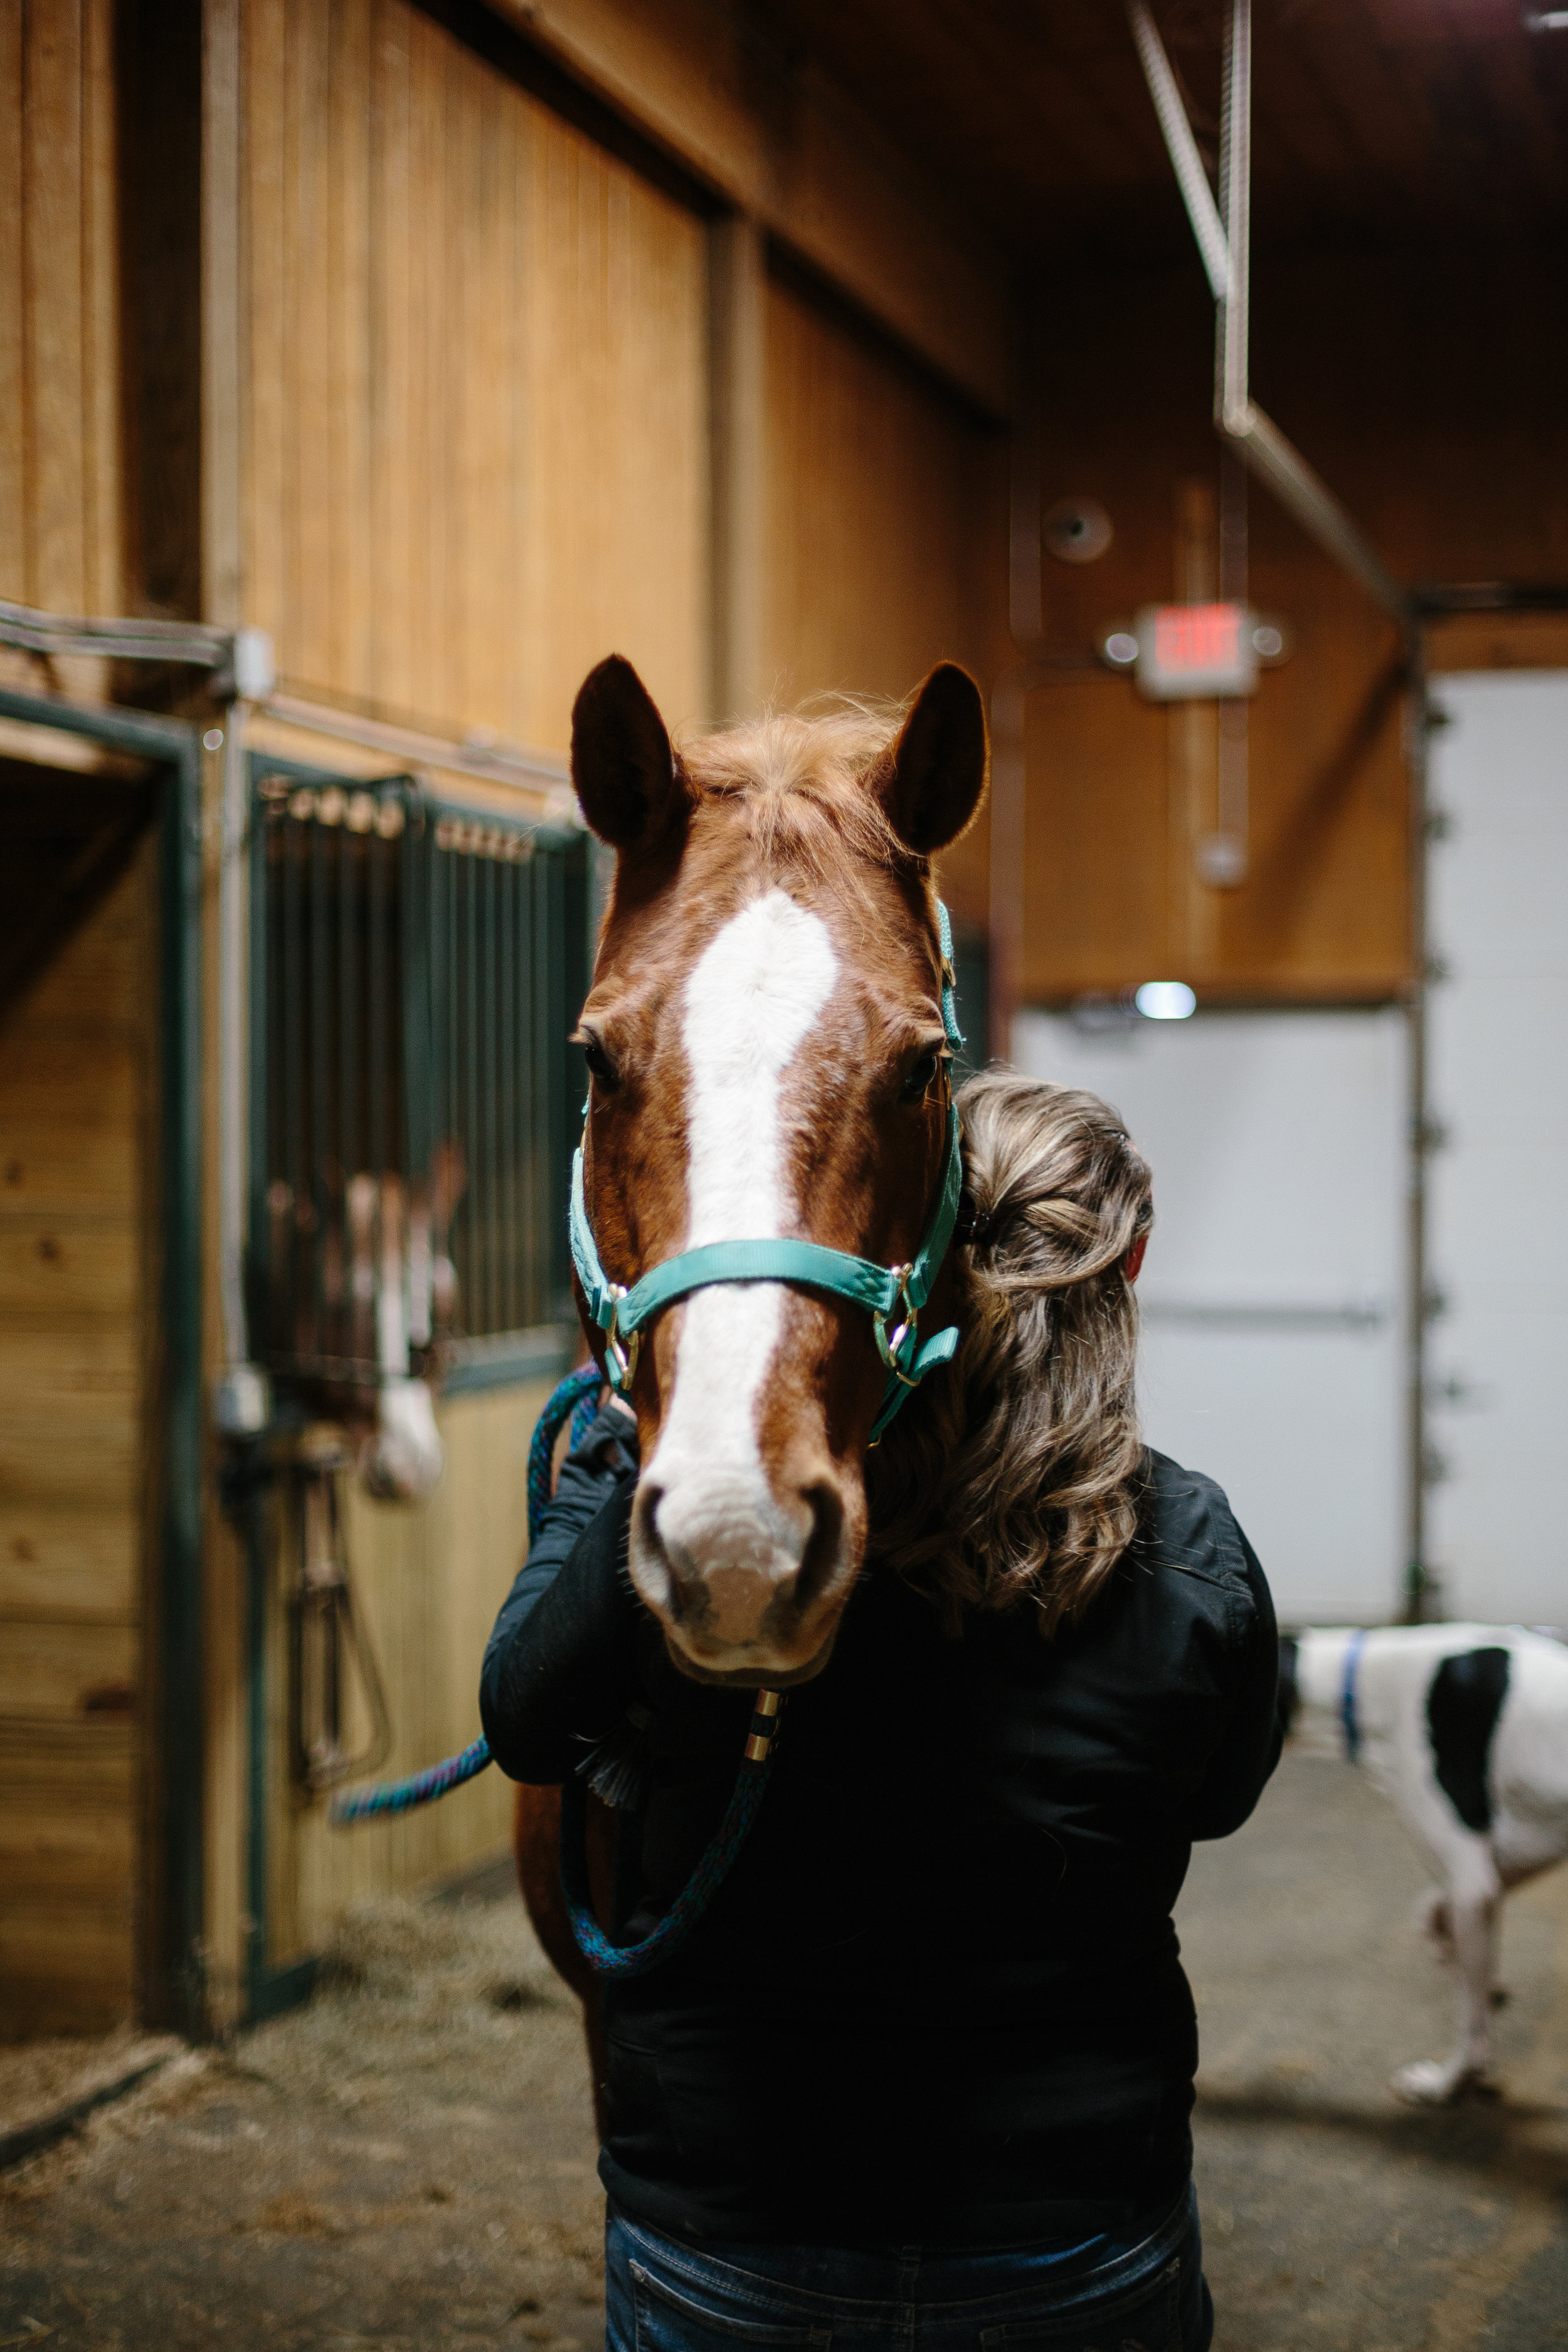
pixel 931 780
pixel 630 786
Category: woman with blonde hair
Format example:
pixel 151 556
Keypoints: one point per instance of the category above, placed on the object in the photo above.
pixel 924 2072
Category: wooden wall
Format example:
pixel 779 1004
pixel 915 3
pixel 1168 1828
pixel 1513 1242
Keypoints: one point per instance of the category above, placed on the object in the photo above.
pixel 77 1254
pixel 60 422
pixel 430 1579
pixel 474 422
pixel 1431 391
pixel 473 436
pixel 885 533
pixel 735 96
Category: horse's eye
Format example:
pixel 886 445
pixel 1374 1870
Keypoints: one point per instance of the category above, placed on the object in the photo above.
pixel 600 1066
pixel 921 1077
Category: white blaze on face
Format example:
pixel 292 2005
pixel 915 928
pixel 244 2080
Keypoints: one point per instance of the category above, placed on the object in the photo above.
pixel 750 1001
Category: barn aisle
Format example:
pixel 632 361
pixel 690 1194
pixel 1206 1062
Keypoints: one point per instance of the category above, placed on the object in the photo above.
pixel 409 2163
pixel 1335 2219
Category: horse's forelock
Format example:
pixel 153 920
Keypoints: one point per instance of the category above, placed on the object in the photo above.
pixel 797 784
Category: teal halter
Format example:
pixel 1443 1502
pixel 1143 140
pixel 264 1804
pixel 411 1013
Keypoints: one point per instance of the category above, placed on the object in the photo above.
pixel 882 1290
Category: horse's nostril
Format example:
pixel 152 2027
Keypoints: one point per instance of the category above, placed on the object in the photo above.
pixel 820 1560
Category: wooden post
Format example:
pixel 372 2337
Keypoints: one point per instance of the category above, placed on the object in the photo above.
pixel 223 601
pixel 737 330
pixel 222 552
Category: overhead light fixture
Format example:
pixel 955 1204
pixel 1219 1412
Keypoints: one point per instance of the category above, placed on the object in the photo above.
pixel 1544 20
pixel 1165 1000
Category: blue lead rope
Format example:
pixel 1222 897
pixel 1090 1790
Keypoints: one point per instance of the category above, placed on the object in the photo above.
pixel 635 1959
pixel 576 1395
pixel 419 1789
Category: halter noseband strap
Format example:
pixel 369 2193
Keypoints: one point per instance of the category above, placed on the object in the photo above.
pixel 894 1293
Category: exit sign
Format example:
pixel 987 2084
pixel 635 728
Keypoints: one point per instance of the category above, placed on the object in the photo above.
pixel 1195 649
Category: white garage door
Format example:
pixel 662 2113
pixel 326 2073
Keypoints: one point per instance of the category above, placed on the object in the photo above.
pixel 1275 1318
pixel 1498 1196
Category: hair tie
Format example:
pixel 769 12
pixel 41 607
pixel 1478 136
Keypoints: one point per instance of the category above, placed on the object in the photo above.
pixel 974 1222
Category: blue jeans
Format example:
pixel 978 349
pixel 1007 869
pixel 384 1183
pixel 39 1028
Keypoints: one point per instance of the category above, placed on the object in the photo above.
pixel 662 2296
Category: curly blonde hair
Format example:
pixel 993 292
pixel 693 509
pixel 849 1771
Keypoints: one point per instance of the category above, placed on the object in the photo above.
pixel 1017 1475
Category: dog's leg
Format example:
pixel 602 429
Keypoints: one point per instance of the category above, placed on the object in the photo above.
pixel 1469 1913
pixel 1432 1915
pixel 1432 1918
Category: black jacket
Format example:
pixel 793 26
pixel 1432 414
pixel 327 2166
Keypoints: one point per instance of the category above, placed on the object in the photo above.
pixel 937 1999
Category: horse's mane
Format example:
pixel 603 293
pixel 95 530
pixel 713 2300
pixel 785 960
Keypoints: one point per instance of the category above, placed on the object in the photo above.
pixel 797 779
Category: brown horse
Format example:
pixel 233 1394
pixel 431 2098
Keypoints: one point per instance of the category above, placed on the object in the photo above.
pixel 768 1058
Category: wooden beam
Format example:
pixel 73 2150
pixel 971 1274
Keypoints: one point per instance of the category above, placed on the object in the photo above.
pixel 780 144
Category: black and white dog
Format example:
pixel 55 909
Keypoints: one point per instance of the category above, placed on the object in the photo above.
pixel 1466 1729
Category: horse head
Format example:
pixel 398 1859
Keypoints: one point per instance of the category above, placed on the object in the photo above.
pixel 768 1059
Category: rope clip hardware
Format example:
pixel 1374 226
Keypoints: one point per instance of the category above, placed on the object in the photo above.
pixel 908 1333
pixel 765 1714
pixel 622 1360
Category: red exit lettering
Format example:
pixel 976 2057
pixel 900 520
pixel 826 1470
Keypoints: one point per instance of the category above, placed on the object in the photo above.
pixel 1196 637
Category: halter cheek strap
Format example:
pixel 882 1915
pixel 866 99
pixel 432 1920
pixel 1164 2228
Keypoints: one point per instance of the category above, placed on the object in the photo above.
pixel 890 1294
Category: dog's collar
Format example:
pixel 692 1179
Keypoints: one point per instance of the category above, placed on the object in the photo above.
pixel 1349 1722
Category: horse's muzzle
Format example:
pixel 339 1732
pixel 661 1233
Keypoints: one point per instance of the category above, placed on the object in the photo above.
pixel 748 1677
pixel 748 1588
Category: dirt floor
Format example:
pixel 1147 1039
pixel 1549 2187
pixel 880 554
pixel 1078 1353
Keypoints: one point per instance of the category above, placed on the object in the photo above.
pixel 1337 2219
pixel 409 2161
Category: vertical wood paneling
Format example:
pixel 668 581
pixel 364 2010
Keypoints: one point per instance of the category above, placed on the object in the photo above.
pixel 478 401
pixel 52 146
pixel 875 482
pixel 476 461
pixel 348 331
pixel 75 1070
pixel 13 297
pixel 67 1867
pixel 101 565
pixel 886 530
pixel 310 487
pixel 430 1580
pixel 267 388
pixel 617 457
pixel 389 298
pixel 60 469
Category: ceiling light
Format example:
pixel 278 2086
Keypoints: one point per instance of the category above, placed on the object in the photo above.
pixel 1165 1000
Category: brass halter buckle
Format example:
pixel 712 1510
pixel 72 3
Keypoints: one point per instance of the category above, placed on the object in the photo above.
pixel 907 1330
pixel 621 1358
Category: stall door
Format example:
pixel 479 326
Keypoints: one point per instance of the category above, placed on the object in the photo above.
pixel 1499 1240
pixel 1273 1296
